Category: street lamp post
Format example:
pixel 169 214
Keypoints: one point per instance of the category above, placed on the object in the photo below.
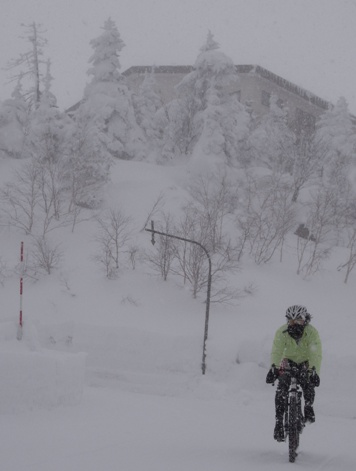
pixel 206 326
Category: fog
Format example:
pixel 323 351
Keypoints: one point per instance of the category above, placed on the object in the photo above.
pixel 310 43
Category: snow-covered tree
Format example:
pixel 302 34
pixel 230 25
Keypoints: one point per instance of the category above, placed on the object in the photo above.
pixel 305 164
pixel 146 103
pixel 114 233
pixel 207 120
pixel 321 220
pixel 335 144
pixel 48 129
pixel 107 104
pixel 87 165
pixel 172 125
pixel 14 118
pixel 31 121
pixel 336 140
pixel 265 214
pixel 335 129
pixel 45 145
pixel 29 65
pixel 271 142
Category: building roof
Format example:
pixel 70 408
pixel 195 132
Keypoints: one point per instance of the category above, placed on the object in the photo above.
pixel 241 69
pixel 161 69
pixel 283 83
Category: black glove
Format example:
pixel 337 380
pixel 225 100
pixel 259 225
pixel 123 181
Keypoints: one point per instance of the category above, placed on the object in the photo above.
pixel 304 377
pixel 314 379
pixel 272 375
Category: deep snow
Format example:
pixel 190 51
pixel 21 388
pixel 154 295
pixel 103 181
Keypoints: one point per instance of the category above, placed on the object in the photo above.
pixel 108 373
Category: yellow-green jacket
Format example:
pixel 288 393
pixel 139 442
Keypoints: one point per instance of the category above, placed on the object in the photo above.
pixel 308 348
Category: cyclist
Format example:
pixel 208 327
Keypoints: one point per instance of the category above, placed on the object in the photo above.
pixel 296 343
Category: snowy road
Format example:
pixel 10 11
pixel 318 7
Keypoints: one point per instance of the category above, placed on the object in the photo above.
pixel 130 431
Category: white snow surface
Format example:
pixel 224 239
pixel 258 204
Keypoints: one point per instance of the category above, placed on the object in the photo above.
pixel 108 372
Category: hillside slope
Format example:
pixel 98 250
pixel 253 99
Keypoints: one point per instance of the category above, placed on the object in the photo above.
pixel 141 401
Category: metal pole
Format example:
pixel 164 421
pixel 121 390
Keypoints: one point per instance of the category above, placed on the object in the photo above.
pixel 203 364
pixel 207 310
pixel 19 328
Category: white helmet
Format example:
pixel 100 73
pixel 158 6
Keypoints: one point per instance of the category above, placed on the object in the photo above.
pixel 298 312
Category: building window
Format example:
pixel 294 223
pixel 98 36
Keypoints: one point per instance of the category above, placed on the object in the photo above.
pixel 265 98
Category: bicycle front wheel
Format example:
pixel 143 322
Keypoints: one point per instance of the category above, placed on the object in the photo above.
pixel 293 433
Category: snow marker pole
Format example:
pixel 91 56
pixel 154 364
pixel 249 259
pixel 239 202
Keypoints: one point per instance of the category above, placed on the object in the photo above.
pixel 19 328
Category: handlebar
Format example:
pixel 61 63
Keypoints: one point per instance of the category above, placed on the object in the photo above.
pixel 293 371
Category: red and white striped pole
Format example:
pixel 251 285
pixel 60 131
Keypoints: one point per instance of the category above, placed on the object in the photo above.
pixel 19 329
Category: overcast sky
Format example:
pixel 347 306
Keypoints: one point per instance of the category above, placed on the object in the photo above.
pixel 309 42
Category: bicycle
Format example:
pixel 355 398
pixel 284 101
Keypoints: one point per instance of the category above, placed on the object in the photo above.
pixel 293 417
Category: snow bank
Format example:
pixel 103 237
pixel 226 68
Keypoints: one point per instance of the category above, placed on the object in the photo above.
pixel 36 378
pixel 255 350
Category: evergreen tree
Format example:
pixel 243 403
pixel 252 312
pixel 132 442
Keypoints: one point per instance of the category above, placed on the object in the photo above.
pixel 48 129
pixel 28 74
pixel 107 106
pixel 208 121
pixel 30 63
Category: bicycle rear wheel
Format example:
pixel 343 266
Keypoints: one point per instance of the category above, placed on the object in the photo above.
pixel 293 432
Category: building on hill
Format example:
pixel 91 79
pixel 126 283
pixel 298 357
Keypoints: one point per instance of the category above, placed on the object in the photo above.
pixel 256 85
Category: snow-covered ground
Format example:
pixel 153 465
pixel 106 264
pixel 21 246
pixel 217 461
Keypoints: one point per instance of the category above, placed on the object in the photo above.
pixel 108 373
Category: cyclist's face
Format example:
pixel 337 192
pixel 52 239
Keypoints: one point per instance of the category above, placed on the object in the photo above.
pixel 296 321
